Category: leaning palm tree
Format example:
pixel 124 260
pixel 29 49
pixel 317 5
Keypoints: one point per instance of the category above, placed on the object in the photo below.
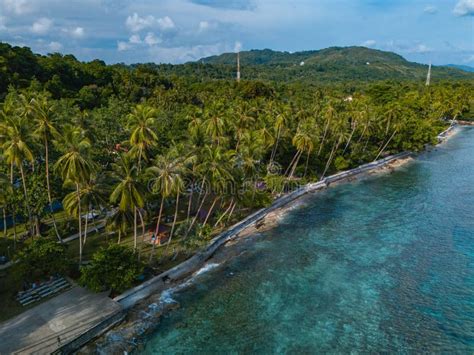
pixel 74 166
pixel 142 137
pixel 128 193
pixel 45 130
pixel 166 179
pixel 15 140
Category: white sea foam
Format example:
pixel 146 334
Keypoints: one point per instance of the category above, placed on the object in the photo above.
pixel 206 268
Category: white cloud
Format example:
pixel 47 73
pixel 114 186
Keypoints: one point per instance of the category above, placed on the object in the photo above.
pixel 203 26
pixel 369 43
pixel 470 59
pixel 41 26
pixel 136 23
pixel 123 46
pixel 135 39
pixel 464 8
pixel 185 53
pixel 430 9
pixel 420 48
pixel 17 7
pixel 151 39
pixel 165 23
pixel 55 46
pixel 77 32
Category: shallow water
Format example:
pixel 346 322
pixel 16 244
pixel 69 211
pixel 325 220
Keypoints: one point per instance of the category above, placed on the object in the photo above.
pixel 384 264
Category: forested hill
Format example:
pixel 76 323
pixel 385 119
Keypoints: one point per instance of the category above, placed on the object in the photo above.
pixel 92 83
pixel 331 64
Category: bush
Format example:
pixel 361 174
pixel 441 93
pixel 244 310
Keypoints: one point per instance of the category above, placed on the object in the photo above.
pixel 113 268
pixel 41 258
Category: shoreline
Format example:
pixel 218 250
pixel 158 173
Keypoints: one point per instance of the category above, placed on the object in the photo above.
pixel 146 303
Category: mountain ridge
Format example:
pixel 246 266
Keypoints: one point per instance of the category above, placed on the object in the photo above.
pixel 338 63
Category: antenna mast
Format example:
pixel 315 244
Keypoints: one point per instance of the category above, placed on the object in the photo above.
pixel 238 66
pixel 428 77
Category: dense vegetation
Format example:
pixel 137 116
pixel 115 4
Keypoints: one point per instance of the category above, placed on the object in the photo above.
pixel 153 152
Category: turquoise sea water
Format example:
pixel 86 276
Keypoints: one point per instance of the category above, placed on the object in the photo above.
pixel 384 264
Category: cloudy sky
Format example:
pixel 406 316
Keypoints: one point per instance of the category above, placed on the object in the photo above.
pixel 176 31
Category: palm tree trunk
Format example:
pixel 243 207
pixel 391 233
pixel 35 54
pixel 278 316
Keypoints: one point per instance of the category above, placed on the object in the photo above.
pixel 14 231
pixel 79 221
pixel 26 197
pixel 199 208
pixel 306 165
pixel 4 222
pixel 152 254
pixel 324 137
pixel 328 163
pixel 174 219
pixel 291 163
pixel 224 214
pixel 190 202
pixel 119 236
pixel 386 145
pixel 210 210
pixel 275 146
pixel 135 228
pixel 86 224
pixel 349 141
pixel 143 234
pixel 231 211
pixel 196 216
pixel 296 164
pixel 48 186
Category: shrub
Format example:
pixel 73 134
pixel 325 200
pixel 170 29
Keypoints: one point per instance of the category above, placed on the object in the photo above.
pixel 113 268
pixel 41 258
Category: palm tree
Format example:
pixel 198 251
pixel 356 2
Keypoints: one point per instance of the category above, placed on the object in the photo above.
pixel 120 221
pixel 5 192
pixel 214 123
pixel 166 179
pixel 279 126
pixel 329 114
pixel 15 139
pixel 141 122
pixel 303 143
pixel 45 131
pixel 128 192
pixel 74 166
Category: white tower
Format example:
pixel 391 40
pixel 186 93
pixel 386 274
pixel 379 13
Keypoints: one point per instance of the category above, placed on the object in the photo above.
pixel 428 77
pixel 238 66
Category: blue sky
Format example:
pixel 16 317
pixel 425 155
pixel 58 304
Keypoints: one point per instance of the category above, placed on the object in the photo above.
pixel 176 31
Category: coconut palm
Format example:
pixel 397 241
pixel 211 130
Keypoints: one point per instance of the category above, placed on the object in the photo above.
pixel 119 221
pixel 166 179
pixel 129 191
pixel 74 166
pixel 214 123
pixel 15 143
pixel 141 123
pixel 303 143
pixel 5 192
pixel 45 131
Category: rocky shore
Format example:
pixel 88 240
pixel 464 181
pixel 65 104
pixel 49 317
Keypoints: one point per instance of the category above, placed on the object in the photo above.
pixel 144 316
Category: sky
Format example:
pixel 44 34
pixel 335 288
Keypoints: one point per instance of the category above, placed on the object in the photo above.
pixel 177 31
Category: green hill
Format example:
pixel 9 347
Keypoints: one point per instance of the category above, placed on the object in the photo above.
pixel 335 63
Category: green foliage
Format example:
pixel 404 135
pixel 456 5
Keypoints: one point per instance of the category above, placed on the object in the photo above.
pixel 115 268
pixel 42 257
pixel 340 163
